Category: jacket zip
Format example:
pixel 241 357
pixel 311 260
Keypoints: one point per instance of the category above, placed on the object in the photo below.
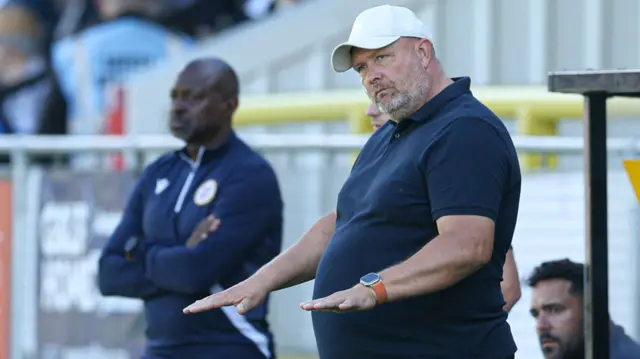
pixel 187 183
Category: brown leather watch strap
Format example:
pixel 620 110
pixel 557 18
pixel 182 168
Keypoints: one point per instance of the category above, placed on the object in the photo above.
pixel 381 291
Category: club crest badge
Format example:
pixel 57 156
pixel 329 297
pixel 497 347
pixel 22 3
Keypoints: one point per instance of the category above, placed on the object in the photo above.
pixel 205 193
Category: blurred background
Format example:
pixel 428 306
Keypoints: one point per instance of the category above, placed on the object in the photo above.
pixel 104 67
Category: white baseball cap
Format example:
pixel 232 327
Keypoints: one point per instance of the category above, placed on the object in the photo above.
pixel 376 28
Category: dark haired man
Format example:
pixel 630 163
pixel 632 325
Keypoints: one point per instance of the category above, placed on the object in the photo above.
pixel 556 304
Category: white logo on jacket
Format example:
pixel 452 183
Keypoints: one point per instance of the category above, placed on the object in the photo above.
pixel 206 192
pixel 161 185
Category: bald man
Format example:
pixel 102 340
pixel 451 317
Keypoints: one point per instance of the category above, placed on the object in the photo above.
pixel 378 119
pixel 168 249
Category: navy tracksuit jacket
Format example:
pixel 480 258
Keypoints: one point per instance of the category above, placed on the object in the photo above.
pixel 173 195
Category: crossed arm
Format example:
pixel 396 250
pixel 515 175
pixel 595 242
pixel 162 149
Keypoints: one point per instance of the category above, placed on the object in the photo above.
pixel 119 273
pixel 249 207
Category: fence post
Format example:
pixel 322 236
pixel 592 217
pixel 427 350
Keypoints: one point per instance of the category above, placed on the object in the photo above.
pixel 531 124
pixel 632 167
pixel 19 173
pixel 6 230
pixel 359 124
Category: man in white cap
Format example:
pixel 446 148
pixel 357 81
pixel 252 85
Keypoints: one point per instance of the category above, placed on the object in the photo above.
pixel 422 224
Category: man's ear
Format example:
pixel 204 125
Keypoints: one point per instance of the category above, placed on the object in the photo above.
pixel 232 105
pixel 424 49
pixel 229 106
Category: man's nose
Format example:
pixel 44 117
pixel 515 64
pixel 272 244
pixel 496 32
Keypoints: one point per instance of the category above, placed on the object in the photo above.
pixel 372 111
pixel 178 106
pixel 178 110
pixel 543 324
pixel 372 77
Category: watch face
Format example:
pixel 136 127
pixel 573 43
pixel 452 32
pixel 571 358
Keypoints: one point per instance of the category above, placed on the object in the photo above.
pixel 369 279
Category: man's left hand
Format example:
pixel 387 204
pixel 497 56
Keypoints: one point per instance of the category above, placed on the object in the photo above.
pixel 353 299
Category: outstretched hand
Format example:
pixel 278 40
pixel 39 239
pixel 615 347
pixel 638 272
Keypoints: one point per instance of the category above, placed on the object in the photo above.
pixel 353 299
pixel 245 296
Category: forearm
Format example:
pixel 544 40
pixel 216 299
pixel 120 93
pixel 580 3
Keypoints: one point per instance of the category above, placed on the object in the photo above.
pixel 299 263
pixel 119 277
pixel 510 284
pixel 511 295
pixel 443 262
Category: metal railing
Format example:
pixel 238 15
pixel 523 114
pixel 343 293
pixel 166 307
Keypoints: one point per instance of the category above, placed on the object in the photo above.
pixel 19 146
pixel 536 111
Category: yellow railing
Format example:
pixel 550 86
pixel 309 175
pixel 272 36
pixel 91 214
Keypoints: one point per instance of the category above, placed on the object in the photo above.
pixel 535 110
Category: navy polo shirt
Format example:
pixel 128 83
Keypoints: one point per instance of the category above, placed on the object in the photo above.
pixel 452 157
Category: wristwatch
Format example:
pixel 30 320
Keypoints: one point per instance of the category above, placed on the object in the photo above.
pixel 374 281
pixel 129 247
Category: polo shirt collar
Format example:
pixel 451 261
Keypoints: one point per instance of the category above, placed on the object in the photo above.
pixel 459 87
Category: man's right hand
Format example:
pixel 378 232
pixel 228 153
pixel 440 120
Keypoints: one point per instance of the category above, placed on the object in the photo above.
pixel 203 230
pixel 245 296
